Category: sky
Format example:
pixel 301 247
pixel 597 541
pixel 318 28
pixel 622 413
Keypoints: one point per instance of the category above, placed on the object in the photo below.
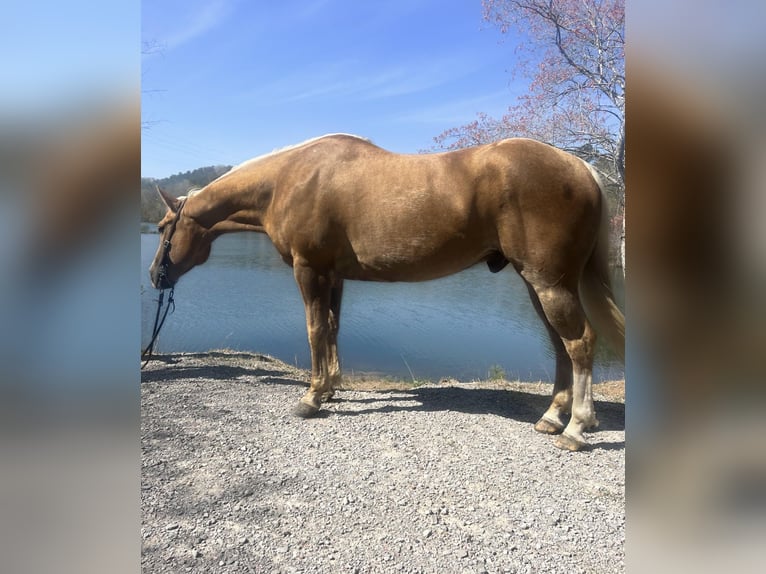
pixel 227 80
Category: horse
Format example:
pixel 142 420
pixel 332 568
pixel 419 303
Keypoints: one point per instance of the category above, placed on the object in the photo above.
pixel 338 208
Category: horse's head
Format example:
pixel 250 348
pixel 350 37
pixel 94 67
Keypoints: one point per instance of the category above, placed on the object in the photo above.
pixel 184 243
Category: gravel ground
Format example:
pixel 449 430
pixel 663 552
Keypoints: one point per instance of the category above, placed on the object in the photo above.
pixel 444 477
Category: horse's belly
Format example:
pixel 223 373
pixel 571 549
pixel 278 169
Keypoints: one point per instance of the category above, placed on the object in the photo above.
pixel 411 262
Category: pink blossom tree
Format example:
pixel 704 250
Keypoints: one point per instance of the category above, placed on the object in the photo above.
pixel 574 55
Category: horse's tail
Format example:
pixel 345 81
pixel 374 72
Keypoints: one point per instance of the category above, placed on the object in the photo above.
pixel 596 286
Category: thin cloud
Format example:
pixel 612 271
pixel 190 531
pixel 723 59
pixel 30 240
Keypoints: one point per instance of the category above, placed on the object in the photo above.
pixel 359 86
pixel 341 80
pixel 209 16
pixel 459 111
pixel 311 9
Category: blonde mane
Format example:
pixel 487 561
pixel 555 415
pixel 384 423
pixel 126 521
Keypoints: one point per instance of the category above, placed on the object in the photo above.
pixel 288 148
pixel 193 191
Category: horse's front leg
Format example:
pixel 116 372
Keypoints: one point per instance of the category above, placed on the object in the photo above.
pixel 316 290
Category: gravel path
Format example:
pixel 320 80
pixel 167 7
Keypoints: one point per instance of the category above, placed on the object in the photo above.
pixel 445 477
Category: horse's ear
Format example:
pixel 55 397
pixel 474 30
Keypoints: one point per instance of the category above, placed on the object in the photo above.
pixel 171 202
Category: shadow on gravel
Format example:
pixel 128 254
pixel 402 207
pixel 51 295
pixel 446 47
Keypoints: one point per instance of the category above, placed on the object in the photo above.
pixel 219 372
pixel 174 372
pixel 517 405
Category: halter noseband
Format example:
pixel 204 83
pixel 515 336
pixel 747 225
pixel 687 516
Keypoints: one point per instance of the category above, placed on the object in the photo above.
pixel 165 262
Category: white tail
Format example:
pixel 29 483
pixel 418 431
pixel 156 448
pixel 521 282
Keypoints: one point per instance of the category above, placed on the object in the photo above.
pixel 596 285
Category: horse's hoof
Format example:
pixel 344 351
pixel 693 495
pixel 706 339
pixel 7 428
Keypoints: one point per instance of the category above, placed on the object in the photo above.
pixel 548 427
pixel 568 442
pixel 304 410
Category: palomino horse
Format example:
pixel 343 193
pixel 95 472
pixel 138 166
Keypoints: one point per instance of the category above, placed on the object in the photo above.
pixel 338 207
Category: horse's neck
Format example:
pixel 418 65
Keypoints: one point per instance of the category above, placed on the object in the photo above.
pixel 227 206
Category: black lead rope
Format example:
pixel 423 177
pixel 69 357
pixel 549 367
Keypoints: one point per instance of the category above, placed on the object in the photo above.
pixel 149 350
pixel 162 280
pixel 164 263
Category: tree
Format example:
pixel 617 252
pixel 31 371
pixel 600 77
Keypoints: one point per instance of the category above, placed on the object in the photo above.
pixel 574 54
pixel 153 209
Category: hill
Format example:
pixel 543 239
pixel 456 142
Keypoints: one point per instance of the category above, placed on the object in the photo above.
pixel 152 208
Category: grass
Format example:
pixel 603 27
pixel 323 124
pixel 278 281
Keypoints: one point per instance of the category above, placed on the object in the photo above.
pixel 496 373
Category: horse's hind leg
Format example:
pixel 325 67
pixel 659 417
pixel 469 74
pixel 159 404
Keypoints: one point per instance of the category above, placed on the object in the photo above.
pixel 336 295
pixel 562 307
pixel 316 291
pixel 554 419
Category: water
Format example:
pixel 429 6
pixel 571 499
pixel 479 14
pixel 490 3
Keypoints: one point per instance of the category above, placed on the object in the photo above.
pixel 465 326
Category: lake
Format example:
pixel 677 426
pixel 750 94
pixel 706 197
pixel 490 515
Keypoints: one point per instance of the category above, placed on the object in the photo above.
pixel 466 326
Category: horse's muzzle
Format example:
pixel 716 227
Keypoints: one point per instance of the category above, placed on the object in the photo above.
pixel 162 283
pixel 160 279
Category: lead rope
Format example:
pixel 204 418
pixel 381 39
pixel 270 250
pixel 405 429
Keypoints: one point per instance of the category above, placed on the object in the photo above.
pixel 164 263
pixel 149 350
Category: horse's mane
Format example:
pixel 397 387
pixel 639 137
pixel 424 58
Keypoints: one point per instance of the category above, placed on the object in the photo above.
pixel 288 148
pixel 192 191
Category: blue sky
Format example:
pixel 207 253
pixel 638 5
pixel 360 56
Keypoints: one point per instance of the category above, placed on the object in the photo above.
pixel 232 79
